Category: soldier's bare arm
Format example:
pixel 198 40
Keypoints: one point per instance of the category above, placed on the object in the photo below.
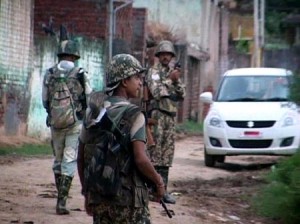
pixel 145 166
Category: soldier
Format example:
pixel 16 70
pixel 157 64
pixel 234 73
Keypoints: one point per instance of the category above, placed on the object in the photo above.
pixel 65 93
pixel 167 89
pixel 124 75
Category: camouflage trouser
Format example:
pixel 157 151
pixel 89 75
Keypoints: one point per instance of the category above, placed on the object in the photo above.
pixel 108 214
pixel 164 172
pixel 162 153
pixel 64 144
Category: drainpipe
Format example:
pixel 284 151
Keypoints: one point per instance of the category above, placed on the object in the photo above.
pixel 114 15
pixel 110 32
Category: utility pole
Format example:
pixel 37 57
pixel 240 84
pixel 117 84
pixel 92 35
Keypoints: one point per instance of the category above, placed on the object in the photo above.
pixel 259 28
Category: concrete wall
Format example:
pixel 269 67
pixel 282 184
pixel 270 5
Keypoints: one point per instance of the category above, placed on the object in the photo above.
pixel 15 64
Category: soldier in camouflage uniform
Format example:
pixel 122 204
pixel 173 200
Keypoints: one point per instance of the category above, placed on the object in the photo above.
pixel 124 80
pixel 64 140
pixel 166 89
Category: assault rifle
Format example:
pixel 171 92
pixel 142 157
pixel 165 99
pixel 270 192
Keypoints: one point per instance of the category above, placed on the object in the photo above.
pixel 152 189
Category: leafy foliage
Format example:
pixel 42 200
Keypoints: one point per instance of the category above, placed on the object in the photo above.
pixel 242 46
pixel 280 199
pixel 275 28
pixel 283 3
pixel 273 22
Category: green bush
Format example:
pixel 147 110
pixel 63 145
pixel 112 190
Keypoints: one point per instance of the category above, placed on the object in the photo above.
pixel 280 198
pixel 295 86
pixel 189 127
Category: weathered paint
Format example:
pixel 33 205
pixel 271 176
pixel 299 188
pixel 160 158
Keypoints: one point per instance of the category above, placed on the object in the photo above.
pixel 93 60
pixel 46 48
pixel 15 64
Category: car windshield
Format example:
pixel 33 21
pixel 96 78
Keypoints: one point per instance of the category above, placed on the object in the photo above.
pixel 253 88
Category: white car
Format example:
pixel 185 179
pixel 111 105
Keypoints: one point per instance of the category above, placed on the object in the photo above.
pixel 251 114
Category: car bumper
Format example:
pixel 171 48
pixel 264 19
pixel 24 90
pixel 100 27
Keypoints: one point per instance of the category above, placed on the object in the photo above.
pixel 263 141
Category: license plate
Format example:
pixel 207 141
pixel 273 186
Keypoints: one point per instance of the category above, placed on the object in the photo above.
pixel 251 134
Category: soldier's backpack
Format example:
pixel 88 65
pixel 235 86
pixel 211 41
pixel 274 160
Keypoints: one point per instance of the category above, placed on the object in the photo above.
pixel 108 161
pixel 65 92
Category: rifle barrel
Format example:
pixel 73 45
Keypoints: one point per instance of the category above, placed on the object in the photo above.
pixel 165 208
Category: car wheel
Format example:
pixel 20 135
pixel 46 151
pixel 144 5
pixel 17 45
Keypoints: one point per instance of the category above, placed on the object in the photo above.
pixel 209 160
pixel 221 159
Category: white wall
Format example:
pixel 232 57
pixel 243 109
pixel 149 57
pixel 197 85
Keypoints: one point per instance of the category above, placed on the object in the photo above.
pixel 182 16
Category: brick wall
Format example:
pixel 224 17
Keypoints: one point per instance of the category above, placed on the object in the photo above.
pixel 139 33
pixel 86 18
pixel 123 24
pixel 192 88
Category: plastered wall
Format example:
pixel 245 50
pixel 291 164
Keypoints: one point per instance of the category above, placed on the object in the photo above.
pixel 16 64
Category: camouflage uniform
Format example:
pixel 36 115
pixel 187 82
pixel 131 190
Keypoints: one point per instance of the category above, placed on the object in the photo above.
pixel 133 208
pixel 107 214
pixel 163 108
pixel 64 141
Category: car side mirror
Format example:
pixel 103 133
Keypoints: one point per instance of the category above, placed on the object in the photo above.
pixel 206 97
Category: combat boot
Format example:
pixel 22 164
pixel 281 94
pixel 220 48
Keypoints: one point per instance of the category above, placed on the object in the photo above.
pixel 63 192
pixel 168 198
pixel 57 178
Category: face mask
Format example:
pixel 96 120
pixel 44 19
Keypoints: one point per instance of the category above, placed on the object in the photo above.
pixel 65 65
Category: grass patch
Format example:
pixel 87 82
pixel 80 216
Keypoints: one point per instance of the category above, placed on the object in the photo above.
pixel 190 127
pixel 280 199
pixel 26 150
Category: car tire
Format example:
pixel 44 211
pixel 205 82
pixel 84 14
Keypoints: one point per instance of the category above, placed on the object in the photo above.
pixel 209 160
pixel 221 159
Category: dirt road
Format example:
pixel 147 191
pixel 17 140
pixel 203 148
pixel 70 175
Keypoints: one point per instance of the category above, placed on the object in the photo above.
pixel 204 195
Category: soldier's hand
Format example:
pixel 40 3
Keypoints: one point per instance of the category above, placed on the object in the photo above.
pixel 160 191
pixel 174 75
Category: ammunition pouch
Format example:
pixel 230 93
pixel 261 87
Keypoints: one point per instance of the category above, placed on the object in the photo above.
pixel 140 194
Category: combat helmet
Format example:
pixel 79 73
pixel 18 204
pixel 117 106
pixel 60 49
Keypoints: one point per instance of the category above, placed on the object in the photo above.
pixel 165 46
pixel 68 47
pixel 121 67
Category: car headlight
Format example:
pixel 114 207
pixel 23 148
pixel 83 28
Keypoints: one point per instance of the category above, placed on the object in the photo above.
pixel 288 121
pixel 215 122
